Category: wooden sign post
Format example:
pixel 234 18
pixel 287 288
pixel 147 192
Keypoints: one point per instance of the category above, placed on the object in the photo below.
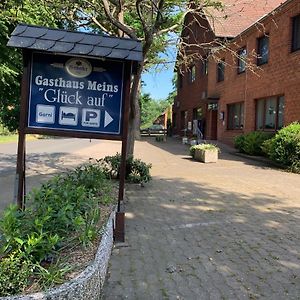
pixel 75 84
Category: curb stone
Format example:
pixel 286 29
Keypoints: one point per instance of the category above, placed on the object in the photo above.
pixel 88 284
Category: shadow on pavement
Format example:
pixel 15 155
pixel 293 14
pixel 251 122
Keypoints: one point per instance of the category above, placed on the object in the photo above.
pixel 200 242
pixel 174 146
pixel 40 162
pixel 39 168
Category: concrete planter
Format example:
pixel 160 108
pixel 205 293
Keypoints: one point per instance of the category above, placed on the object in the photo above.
pixel 88 284
pixel 207 155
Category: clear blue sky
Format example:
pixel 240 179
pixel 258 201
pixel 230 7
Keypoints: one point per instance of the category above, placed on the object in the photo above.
pixel 158 83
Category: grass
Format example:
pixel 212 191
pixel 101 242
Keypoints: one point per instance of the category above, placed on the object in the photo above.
pixel 14 138
pixel 8 138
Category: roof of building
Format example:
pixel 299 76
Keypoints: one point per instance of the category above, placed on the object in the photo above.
pixel 238 15
pixel 75 43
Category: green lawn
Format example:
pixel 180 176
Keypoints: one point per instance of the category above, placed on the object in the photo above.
pixel 14 138
pixel 8 138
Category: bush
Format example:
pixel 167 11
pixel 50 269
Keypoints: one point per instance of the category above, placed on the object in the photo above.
pixel 284 148
pixel 192 151
pixel 63 212
pixel 202 147
pixel 5 131
pixel 137 171
pixel 251 143
pixel 239 142
pixel 15 272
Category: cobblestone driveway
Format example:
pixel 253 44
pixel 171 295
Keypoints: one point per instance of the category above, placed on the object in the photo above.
pixel 208 231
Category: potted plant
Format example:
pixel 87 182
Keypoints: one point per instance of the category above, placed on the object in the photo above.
pixel 206 153
pixel 193 140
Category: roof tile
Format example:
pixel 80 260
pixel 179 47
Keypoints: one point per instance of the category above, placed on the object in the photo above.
pixel 101 51
pixel 33 32
pixel 128 45
pixel 238 15
pixel 133 55
pixel 42 45
pixel 91 39
pixel 19 29
pixel 71 42
pixel 110 42
pixel 72 37
pixel 21 42
pixel 62 47
pixel 54 35
pixel 119 53
pixel 82 49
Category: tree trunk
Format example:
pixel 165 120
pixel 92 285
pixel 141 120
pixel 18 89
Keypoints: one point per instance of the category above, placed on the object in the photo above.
pixel 135 112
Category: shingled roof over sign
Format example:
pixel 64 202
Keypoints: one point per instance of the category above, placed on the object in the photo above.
pixel 75 43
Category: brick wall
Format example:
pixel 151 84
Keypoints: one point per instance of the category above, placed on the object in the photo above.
pixel 280 76
pixel 190 94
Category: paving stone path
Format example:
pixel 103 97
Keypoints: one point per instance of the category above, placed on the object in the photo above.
pixel 228 230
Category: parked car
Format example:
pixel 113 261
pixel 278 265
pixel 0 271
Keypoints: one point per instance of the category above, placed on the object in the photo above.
pixel 156 129
pixel 153 129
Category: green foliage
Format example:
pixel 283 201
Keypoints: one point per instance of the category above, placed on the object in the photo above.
pixel 284 148
pixel 151 109
pixel 15 271
pixel 140 171
pixel 251 143
pixel 239 142
pixel 13 12
pixel 207 147
pixel 192 151
pixel 62 213
pixel 137 171
pixel 4 131
pixel 52 275
pixel 193 148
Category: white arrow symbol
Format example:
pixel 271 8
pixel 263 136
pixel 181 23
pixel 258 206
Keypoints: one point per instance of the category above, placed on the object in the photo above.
pixel 107 119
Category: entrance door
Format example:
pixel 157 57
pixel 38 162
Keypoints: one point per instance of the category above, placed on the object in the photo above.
pixel 213 124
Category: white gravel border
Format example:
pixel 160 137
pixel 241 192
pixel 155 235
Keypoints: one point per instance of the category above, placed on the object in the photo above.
pixel 88 284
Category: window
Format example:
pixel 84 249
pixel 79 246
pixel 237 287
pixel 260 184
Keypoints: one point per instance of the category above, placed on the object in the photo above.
pixel 242 54
pixel 204 66
pixel 269 113
pixel 197 113
pixel 220 70
pixel 296 33
pixel 235 116
pixel 192 74
pixel 262 50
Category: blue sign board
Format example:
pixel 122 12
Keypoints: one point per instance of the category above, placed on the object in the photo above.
pixel 76 94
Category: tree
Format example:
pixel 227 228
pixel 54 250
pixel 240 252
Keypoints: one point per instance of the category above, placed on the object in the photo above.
pixel 150 21
pixel 151 109
pixel 11 13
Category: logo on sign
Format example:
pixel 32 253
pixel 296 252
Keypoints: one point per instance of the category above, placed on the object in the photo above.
pixel 79 67
pixel 68 115
pixel 45 114
pixel 90 117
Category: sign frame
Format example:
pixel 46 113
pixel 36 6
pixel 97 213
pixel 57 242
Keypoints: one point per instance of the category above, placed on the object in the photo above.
pixel 24 129
pixel 28 60
pixel 78 45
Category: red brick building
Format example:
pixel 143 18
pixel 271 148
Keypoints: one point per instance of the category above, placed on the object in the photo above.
pixel 253 83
